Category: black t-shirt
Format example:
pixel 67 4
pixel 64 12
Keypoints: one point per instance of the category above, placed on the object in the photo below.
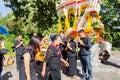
pixel 71 53
pixel 22 73
pixel 52 58
pixel 85 49
pixel 62 47
pixel 3 51
pixel 20 49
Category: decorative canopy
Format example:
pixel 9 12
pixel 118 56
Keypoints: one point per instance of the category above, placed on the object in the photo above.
pixel 86 12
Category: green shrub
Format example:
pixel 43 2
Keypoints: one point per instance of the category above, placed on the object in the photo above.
pixel 9 42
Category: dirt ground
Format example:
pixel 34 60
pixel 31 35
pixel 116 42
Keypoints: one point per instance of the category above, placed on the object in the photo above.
pixel 108 71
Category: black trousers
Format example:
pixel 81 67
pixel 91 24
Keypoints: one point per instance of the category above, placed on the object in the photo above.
pixel 54 74
pixel 18 62
pixel 72 69
pixel 38 69
pixel 0 69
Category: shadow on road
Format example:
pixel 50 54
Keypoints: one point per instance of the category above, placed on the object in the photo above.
pixel 78 73
pixel 7 75
pixel 112 64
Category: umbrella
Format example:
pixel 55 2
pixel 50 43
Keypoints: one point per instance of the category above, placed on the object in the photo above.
pixel 3 30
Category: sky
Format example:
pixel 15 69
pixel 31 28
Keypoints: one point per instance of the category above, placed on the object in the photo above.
pixel 3 9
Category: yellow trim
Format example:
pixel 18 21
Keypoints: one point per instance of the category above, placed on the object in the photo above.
pixel 59 25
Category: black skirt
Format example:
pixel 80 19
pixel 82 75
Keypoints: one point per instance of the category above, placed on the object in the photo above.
pixel 72 69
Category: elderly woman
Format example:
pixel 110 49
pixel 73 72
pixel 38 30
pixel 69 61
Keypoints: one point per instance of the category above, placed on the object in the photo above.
pixel 53 59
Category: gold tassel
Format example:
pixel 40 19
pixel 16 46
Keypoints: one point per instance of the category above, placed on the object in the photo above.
pixel 59 25
pixel 75 23
pixel 67 24
pixel 89 24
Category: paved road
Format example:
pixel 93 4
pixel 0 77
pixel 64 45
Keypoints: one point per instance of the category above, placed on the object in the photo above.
pixel 109 71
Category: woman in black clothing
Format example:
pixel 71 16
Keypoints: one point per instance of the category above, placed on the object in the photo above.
pixel 27 71
pixel 53 58
pixel 2 52
pixel 62 47
pixel 71 54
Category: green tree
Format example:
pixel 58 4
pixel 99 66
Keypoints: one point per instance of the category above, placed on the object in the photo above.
pixel 34 14
pixel 111 18
pixel 46 15
pixel 6 19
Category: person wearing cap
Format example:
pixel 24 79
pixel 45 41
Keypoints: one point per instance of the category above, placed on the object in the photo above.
pixel 19 47
pixel 2 52
pixel 84 43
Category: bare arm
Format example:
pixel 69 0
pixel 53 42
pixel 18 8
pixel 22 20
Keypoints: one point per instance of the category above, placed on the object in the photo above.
pixel 65 62
pixel 2 44
pixel 19 44
pixel 72 47
pixel 48 56
pixel 27 65
pixel 3 50
pixel 68 45
pixel 43 69
pixel 81 42
pixel 87 45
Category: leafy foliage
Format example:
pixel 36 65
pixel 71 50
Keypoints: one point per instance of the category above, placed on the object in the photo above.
pixel 5 20
pixel 9 42
pixel 33 15
pixel 111 18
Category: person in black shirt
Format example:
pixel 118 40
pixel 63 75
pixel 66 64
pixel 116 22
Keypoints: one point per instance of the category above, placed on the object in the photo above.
pixel 84 44
pixel 2 52
pixel 62 47
pixel 35 34
pixel 27 60
pixel 53 59
pixel 71 54
pixel 19 47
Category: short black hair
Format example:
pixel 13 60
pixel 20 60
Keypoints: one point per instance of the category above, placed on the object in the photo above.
pixel 70 37
pixel 81 30
pixel 54 37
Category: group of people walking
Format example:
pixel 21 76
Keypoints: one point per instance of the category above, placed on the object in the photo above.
pixel 60 54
